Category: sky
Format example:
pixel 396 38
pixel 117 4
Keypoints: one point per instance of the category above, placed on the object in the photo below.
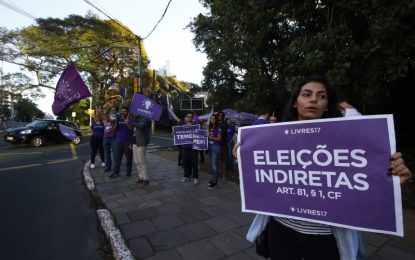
pixel 169 43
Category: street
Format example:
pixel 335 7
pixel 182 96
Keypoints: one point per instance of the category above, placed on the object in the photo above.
pixel 47 213
pixel 46 210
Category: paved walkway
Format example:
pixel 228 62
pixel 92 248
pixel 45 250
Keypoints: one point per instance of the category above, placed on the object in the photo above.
pixel 172 220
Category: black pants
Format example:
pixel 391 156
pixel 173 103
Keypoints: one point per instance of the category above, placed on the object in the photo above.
pixel 287 244
pixel 190 162
pixel 97 145
pixel 122 148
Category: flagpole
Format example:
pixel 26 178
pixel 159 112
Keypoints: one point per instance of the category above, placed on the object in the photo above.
pixel 90 111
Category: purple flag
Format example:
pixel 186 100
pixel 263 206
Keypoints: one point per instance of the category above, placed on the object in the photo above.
pixel 145 107
pixel 330 171
pixel 69 90
pixel 172 115
pixel 68 132
pixel 195 118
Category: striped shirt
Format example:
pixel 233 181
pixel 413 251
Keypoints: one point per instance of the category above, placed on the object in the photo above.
pixel 305 227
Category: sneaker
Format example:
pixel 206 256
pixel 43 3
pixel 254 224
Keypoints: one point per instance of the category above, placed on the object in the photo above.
pixel 139 181
pixel 213 186
pixel 184 179
pixel 113 176
pixel 103 164
pixel 196 181
pixel 92 166
pixel 144 183
pixel 210 182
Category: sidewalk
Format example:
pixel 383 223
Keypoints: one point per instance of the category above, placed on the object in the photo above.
pixel 172 220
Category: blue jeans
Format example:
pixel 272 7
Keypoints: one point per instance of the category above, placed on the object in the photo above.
pixel 214 153
pixel 108 150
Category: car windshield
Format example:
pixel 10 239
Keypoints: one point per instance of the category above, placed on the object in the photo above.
pixel 37 124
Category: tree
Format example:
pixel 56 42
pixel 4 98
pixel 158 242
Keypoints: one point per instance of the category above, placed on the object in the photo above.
pixel 257 50
pixel 26 110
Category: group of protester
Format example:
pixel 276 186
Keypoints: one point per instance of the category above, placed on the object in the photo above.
pixel 221 134
pixel 117 135
pixel 312 98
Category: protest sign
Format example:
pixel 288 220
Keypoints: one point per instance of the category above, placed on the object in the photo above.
pixel 331 171
pixel 184 134
pixel 200 139
pixel 144 106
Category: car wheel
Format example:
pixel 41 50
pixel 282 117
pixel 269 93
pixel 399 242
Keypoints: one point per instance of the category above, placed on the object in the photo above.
pixel 77 140
pixel 37 141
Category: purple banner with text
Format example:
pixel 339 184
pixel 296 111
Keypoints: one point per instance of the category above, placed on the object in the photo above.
pixel 184 134
pixel 144 106
pixel 200 140
pixel 331 171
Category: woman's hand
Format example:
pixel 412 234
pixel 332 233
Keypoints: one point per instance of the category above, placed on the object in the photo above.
pixel 235 149
pixel 398 168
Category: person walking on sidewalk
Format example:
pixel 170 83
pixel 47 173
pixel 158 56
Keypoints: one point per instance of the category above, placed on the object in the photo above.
pixel 142 135
pixel 108 142
pixel 190 156
pixel 214 138
pixel 96 140
pixel 123 141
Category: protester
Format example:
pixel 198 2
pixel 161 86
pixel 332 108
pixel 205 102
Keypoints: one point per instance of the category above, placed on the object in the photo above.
pixel 108 141
pixel 189 155
pixel 263 119
pixel 223 144
pixel 214 138
pixel 96 140
pixel 123 140
pixel 288 238
pixel 142 135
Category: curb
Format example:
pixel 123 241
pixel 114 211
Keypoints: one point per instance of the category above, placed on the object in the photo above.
pixel 119 248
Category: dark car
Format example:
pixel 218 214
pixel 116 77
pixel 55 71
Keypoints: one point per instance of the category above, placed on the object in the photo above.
pixel 40 132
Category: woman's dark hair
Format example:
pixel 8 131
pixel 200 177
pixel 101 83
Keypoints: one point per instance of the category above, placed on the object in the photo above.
pixel 291 113
pixel 213 126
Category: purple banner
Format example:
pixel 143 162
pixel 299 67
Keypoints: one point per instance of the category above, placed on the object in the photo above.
pixel 69 90
pixel 329 171
pixel 200 139
pixel 184 134
pixel 68 132
pixel 145 107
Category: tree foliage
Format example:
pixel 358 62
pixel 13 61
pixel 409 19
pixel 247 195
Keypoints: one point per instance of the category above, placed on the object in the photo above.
pixel 104 52
pixel 25 110
pixel 257 49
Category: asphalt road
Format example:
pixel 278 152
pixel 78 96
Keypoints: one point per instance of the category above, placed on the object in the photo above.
pixel 46 211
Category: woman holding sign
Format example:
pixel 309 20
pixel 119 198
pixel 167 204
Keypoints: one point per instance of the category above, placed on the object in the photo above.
pixel 297 239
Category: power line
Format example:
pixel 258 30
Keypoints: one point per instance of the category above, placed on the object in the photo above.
pixel 17 9
pixel 165 10
pixel 109 17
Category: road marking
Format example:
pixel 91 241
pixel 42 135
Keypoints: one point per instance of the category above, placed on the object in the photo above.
pixel 59 161
pixel 20 167
pixel 7 154
pixel 73 150
pixel 162 137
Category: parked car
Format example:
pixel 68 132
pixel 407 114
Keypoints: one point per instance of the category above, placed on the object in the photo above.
pixel 40 132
